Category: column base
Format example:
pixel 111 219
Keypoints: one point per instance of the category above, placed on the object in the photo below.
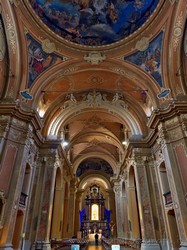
pixel 41 245
pixel 6 247
pixel 150 245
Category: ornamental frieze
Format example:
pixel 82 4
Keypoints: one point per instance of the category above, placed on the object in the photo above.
pixel 11 33
pixel 177 32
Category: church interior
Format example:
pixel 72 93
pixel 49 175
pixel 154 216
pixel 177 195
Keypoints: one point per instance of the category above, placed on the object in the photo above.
pixel 93 123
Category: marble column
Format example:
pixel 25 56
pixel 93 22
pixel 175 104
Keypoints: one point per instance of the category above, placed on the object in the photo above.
pixel 45 214
pixel 78 208
pixel 13 163
pixel 117 191
pixel 71 208
pixel 167 138
pixel 144 203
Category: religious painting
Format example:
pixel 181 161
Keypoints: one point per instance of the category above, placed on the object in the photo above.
pixel 150 59
pixel 94 22
pixel 38 59
pixel 94 164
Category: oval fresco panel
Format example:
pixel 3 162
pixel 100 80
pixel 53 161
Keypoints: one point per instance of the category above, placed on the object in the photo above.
pixel 94 22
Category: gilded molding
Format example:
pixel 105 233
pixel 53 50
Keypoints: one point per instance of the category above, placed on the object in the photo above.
pixel 11 33
pixel 173 1
pixel 177 32
pixel 15 2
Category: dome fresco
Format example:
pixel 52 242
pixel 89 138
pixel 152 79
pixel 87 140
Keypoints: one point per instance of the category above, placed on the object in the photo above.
pixel 94 22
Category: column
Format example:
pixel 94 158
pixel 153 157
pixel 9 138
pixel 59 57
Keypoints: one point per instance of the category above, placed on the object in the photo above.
pixel 45 213
pixel 144 203
pixel 117 191
pixel 167 140
pixel 78 208
pixel 15 153
pixel 125 213
pixel 71 206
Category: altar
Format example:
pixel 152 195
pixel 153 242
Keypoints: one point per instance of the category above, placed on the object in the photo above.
pixel 95 217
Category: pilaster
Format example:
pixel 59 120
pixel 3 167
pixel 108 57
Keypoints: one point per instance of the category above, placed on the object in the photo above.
pixel 16 145
pixel 171 134
pixel 45 213
pixel 117 191
pixel 144 202
pixel 71 206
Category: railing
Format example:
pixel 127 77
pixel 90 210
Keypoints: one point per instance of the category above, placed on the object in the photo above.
pixel 23 198
pixel 168 198
pixel 122 242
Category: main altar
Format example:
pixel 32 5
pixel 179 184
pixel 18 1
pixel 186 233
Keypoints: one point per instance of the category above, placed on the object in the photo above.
pixel 95 217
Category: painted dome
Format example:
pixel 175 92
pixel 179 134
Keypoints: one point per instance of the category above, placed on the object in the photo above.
pixel 94 22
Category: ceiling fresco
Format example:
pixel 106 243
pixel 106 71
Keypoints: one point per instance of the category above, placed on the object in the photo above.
pixel 94 22
pixel 94 164
pixel 150 59
pixel 38 59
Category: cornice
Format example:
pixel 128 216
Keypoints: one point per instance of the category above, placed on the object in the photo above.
pixel 24 114
pixel 160 115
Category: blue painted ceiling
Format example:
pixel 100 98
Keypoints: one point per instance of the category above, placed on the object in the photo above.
pixel 94 22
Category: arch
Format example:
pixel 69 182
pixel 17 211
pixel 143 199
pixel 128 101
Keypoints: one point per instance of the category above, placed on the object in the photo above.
pixel 108 158
pixel 125 115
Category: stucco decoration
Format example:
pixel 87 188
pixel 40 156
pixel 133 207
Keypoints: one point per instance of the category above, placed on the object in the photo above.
pixel 142 44
pixel 94 22
pixel 15 2
pixel 150 59
pixel 94 58
pixel 26 95
pixel 11 33
pixel 173 1
pixel 96 99
pixel 94 164
pixel 40 60
pixel 177 32
pixel 164 93
pixel 48 46
pixel 2 42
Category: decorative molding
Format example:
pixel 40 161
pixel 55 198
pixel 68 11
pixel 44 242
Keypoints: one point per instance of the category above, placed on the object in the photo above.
pixel 94 58
pixel 171 122
pixel 162 135
pixel 11 33
pixel 177 32
pixel 15 2
pixel 173 1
